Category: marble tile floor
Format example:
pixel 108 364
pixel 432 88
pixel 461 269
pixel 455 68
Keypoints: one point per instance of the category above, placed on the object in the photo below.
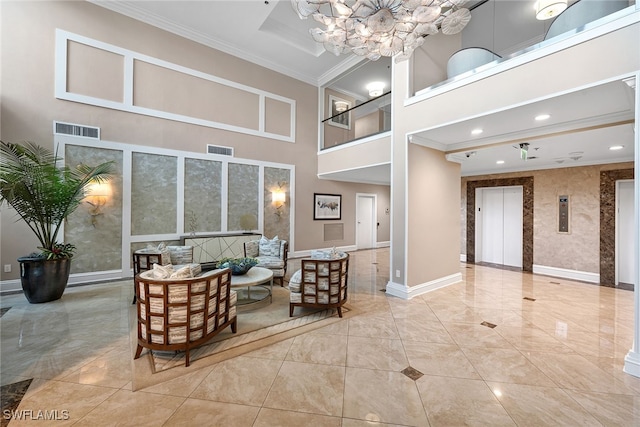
pixel 554 357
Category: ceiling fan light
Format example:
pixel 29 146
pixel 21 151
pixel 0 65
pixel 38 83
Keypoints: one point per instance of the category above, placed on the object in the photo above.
pixel 547 9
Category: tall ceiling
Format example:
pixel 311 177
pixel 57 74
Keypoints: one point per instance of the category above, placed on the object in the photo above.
pixel 269 33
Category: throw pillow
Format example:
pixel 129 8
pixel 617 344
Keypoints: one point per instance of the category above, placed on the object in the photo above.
pixel 182 273
pixel 162 271
pixel 270 247
pixel 165 254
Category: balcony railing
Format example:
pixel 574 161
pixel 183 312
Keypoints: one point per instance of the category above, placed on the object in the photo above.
pixel 369 118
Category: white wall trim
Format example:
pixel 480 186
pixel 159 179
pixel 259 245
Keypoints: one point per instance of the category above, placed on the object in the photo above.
pixel 565 273
pixel 351 144
pixel 463 257
pixel 383 244
pixel 406 292
pixel 61 89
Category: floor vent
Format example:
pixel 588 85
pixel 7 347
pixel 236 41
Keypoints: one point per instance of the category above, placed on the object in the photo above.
pixel 76 130
pixel 220 150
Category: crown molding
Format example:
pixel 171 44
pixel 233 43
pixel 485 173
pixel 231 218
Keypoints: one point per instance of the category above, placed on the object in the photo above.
pixel 132 11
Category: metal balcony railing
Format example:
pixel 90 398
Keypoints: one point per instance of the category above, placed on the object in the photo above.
pixel 369 118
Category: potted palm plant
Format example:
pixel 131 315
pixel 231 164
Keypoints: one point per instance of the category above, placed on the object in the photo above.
pixel 43 196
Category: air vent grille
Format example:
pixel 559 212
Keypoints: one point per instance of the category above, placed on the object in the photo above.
pixel 220 150
pixel 76 130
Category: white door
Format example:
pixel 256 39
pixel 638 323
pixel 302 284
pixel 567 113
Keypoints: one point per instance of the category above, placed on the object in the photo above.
pixel 501 228
pixel 366 231
pixel 492 225
pixel 624 232
pixel 512 231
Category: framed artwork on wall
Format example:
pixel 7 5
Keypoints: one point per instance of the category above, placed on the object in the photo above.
pixel 327 206
pixel 336 106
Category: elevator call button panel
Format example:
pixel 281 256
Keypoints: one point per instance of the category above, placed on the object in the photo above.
pixel 563 214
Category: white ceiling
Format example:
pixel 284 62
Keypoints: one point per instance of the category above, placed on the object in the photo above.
pixel 269 33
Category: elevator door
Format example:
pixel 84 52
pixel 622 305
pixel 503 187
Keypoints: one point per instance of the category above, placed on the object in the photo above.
pixel 624 232
pixel 501 229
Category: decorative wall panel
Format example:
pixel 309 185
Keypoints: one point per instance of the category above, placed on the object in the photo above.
pixel 96 73
pixel 87 68
pixel 98 238
pixel 190 96
pixel 202 196
pixel 242 213
pixel 153 194
pixel 277 216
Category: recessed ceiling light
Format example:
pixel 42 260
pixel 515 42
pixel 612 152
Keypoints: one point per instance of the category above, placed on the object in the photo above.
pixel 500 162
pixel 616 147
pixel 542 117
pixel 476 132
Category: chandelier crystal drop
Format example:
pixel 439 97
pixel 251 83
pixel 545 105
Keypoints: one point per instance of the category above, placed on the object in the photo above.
pixel 375 28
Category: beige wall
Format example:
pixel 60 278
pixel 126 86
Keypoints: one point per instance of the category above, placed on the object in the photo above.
pixel 28 107
pixel 370 124
pixel 578 250
pixel 434 183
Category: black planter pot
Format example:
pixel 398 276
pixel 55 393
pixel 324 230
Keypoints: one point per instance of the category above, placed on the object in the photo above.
pixel 44 280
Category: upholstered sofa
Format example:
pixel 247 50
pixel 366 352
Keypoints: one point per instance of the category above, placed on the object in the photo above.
pixel 271 254
pixel 180 313
pixel 321 282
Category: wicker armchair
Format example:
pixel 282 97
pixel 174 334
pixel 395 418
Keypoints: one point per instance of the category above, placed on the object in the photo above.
pixel 320 283
pixel 180 314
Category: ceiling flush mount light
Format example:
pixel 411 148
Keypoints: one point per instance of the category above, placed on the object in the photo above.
pixel 616 147
pixel 341 106
pixel 547 9
pixel 500 162
pixel 542 117
pixel 476 132
pixel 375 89
pixel 375 28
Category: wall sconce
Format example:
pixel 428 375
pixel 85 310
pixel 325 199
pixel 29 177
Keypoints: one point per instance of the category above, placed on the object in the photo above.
pixel 278 198
pixel 98 193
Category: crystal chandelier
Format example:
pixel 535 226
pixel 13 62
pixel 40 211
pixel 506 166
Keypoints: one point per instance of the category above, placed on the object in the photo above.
pixel 375 28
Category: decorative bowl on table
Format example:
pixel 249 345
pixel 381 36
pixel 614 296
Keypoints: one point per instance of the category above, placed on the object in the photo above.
pixel 238 266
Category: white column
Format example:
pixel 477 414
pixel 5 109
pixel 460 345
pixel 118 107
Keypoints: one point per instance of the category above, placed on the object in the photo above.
pixel 632 360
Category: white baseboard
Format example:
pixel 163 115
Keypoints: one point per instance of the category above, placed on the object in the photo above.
pixel 583 276
pixel 10 286
pixel 463 257
pixel 632 363
pixel 404 292
pixel 383 244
